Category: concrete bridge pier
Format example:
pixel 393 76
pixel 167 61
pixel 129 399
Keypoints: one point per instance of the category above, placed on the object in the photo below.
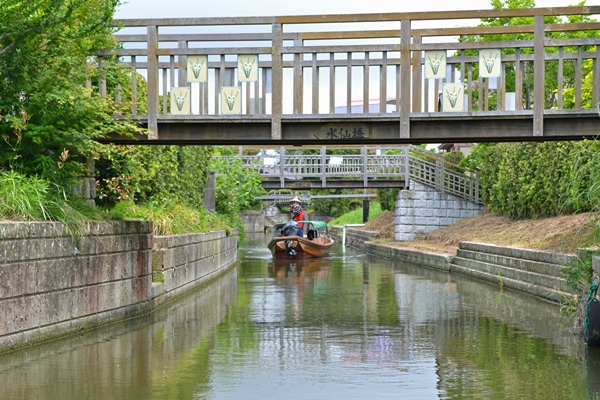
pixel 422 209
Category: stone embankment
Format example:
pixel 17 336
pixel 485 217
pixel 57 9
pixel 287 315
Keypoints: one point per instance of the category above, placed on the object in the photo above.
pixel 533 272
pixel 53 284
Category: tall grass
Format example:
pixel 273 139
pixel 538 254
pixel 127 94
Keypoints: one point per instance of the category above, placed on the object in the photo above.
pixel 172 218
pixel 356 216
pixel 25 198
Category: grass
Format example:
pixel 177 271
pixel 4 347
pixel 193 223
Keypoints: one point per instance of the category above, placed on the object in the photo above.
pixel 34 199
pixel 356 216
pixel 172 218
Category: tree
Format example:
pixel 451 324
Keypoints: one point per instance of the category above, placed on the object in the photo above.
pixel 236 186
pixel 50 119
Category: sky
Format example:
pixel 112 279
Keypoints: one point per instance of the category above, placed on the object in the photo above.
pixel 243 8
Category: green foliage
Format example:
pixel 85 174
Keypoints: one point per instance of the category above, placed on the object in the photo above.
pixel 147 172
pixel 538 179
pixel 236 186
pixel 333 207
pixel 578 273
pixel 584 186
pixel 356 216
pixel 170 217
pixel 50 120
pixel 36 199
pixel 551 73
pixel 387 198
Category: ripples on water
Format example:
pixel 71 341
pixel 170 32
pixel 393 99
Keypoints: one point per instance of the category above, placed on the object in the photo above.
pixel 346 327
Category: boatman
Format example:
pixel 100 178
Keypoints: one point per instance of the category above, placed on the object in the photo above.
pixel 298 214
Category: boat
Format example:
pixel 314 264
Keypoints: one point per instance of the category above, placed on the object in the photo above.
pixel 287 244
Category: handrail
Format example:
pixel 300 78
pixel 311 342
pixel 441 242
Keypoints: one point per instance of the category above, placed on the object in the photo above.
pixel 421 166
pixel 404 91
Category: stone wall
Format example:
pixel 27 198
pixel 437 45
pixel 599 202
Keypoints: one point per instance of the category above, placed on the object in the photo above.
pixel 183 262
pixel 53 284
pixel 533 272
pixel 422 209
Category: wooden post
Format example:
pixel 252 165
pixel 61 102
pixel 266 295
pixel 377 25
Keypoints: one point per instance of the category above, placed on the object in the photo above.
pixel 298 79
pixel 560 77
pixel 331 83
pixel 519 81
pixel 539 82
pixel 417 76
pixel 383 85
pixel 349 83
pixel 366 79
pixel 596 88
pixel 364 153
pixel 578 76
pixel 406 154
pixel 282 166
pixel 133 86
pixel 277 82
pixel 441 174
pixel 315 85
pixel 182 65
pixel 405 79
pixel 323 166
pixel 101 79
pixel 152 82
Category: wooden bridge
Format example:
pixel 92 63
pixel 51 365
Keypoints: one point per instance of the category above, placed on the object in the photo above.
pixel 366 170
pixel 367 79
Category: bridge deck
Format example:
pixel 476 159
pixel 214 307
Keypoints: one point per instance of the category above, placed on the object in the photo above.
pixel 361 79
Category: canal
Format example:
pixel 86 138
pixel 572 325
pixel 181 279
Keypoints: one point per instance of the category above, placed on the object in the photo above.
pixel 350 326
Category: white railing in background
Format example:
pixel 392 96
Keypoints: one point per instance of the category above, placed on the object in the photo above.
pixel 412 164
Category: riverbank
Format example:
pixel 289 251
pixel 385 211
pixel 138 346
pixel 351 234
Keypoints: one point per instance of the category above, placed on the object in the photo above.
pixel 565 234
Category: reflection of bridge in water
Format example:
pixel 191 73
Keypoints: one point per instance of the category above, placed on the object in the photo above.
pixel 294 80
pixel 365 170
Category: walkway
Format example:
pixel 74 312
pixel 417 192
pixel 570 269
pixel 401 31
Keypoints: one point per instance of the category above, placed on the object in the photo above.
pixel 311 80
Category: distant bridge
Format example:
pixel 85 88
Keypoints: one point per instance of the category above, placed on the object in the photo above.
pixel 311 80
pixel 367 170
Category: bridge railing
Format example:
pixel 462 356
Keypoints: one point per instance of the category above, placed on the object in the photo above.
pixel 434 171
pixel 413 164
pixel 398 65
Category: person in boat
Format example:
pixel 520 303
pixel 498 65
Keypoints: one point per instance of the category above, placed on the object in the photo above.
pixel 298 214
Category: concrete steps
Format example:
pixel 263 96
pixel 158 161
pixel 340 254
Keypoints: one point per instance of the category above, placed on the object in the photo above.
pixel 535 272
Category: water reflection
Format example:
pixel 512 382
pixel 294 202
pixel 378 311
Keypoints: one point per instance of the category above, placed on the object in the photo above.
pixel 347 326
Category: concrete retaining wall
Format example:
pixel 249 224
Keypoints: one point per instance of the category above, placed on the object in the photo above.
pixel 354 237
pixel 533 272
pixel 53 285
pixel 596 265
pixel 422 209
pixel 182 262
pixel 254 222
pixel 538 273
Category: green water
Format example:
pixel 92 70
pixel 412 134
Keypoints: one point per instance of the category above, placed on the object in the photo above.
pixel 346 327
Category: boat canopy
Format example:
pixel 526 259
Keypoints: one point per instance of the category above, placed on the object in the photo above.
pixel 317 224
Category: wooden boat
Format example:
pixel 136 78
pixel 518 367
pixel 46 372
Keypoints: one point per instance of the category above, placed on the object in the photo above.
pixel 316 243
